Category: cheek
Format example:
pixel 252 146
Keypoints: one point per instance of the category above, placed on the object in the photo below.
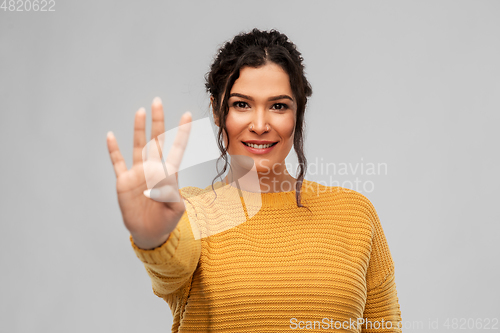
pixel 233 127
pixel 230 126
pixel 288 128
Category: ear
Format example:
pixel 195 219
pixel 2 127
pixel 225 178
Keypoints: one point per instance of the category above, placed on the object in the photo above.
pixel 212 104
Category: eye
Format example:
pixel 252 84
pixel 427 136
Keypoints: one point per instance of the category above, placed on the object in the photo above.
pixel 281 106
pixel 240 104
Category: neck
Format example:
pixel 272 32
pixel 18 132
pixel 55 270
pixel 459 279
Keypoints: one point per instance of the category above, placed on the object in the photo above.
pixel 263 182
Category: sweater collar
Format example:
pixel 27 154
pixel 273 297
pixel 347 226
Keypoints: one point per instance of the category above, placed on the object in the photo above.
pixel 271 199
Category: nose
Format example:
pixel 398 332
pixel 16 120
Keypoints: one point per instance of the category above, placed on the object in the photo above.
pixel 259 123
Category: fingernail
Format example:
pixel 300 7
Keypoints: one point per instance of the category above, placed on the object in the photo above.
pixel 110 134
pixel 154 193
pixel 147 193
pixel 141 110
pixel 157 100
pixel 189 113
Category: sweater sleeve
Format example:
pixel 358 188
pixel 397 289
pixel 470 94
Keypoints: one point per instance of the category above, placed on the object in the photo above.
pixel 171 265
pixel 382 312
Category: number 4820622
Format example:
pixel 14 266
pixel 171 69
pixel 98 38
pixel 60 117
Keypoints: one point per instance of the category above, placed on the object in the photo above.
pixel 471 323
pixel 28 5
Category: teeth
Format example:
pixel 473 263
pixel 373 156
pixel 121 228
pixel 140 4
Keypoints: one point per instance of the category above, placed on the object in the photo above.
pixel 258 146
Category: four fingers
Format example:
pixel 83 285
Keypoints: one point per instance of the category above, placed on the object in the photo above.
pixel 158 127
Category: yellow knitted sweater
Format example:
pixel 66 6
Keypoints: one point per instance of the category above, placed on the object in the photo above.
pixel 281 268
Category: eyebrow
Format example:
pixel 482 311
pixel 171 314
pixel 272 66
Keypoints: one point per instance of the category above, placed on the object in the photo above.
pixel 269 99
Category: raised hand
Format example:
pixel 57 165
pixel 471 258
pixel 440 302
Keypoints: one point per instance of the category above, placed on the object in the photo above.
pixel 150 220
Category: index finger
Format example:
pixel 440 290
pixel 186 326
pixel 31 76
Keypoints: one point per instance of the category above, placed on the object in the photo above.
pixel 176 152
pixel 116 157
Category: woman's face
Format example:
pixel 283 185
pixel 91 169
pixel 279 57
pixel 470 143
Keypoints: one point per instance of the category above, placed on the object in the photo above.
pixel 262 111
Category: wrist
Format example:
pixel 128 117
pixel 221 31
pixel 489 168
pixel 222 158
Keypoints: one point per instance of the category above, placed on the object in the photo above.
pixel 149 244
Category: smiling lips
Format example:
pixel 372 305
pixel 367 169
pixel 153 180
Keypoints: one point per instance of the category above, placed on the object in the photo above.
pixel 259 147
pixel 259 144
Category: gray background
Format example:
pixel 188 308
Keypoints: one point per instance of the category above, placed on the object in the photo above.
pixel 413 84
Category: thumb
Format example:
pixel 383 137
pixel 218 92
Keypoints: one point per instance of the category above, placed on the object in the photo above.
pixel 166 193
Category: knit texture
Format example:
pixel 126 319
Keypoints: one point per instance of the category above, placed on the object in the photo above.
pixel 282 268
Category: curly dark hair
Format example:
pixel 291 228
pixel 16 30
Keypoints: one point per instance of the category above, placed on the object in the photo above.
pixel 255 49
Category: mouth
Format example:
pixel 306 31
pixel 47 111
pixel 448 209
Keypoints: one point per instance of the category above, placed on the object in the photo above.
pixel 259 146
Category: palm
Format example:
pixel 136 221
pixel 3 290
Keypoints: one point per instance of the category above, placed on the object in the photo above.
pixel 145 218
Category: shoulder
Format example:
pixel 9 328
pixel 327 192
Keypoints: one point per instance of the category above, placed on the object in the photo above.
pixel 340 198
pixel 319 190
pixel 192 191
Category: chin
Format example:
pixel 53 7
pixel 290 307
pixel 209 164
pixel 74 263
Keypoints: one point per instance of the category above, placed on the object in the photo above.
pixel 265 169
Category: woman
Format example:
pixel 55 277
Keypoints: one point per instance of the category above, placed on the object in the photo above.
pixel 291 254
